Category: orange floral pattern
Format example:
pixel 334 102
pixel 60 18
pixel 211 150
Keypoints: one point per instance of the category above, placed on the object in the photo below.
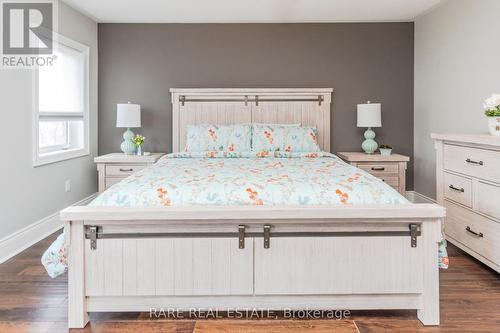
pixel 354 177
pixel 162 194
pixel 263 153
pixel 342 195
pixel 269 136
pixel 212 134
pixel 253 196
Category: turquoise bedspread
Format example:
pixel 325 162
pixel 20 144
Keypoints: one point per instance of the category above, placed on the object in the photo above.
pixel 175 181
pixel 232 179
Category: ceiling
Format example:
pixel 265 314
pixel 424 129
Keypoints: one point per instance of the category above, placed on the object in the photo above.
pixel 245 11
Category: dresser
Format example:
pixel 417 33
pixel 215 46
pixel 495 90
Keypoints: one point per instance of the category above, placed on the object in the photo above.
pixel 391 169
pixel 468 185
pixel 116 166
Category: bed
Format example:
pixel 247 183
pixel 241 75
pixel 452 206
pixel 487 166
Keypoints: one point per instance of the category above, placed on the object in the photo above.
pixel 238 232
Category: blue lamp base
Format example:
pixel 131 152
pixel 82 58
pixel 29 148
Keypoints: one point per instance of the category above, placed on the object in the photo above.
pixel 369 145
pixel 128 147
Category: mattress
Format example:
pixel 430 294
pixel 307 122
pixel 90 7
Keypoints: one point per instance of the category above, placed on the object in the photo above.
pixel 180 179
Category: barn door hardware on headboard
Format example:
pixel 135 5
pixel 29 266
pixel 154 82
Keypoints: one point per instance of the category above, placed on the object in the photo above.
pixel 257 99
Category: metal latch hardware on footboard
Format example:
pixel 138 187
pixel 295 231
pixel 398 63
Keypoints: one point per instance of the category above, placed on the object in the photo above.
pixel 414 232
pixel 93 233
pixel 267 236
pixel 241 236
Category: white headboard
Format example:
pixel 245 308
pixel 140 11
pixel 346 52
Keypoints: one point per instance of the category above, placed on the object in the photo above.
pixel 307 106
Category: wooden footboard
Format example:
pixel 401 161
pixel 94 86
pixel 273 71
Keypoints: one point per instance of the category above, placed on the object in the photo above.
pixel 226 258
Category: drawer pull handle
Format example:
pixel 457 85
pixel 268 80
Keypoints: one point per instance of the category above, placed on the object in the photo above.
pixel 126 170
pixel 474 162
pixel 468 229
pixel 378 169
pixel 457 189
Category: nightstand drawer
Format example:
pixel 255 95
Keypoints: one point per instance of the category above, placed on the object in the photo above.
pixel 391 168
pixel 378 168
pixel 123 169
pixel 110 181
pixel 390 180
pixel 115 166
pixel 458 188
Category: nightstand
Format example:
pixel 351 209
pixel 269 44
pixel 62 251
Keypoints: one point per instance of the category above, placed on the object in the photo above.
pixel 391 169
pixel 116 166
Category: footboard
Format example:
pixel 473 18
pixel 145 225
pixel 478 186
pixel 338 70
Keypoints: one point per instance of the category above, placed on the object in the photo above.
pixel 227 258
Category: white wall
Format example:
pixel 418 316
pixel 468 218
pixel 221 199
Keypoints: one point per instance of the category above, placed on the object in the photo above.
pixel 28 194
pixel 457 66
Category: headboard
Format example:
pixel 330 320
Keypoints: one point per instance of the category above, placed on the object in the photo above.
pixel 307 106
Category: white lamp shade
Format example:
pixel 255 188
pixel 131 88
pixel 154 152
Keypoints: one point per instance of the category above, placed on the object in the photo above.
pixel 128 115
pixel 369 115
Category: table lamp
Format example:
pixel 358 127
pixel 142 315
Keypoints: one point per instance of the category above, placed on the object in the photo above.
pixel 128 116
pixel 369 115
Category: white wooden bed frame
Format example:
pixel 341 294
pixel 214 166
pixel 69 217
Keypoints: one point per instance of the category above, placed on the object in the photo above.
pixel 241 257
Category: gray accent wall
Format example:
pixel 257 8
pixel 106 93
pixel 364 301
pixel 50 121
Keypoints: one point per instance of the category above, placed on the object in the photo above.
pixel 457 66
pixel 360 61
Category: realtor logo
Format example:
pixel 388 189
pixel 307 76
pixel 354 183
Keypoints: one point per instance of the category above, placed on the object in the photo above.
pixel 27 33
pixel 27 28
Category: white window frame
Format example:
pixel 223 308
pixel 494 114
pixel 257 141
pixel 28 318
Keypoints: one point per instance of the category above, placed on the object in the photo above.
pixel 62 154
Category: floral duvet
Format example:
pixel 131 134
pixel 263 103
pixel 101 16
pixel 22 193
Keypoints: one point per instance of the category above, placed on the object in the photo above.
pixel 189 179
pixel 323 180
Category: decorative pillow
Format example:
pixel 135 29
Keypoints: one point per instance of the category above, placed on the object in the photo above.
pixel 228 138
pixel 284 138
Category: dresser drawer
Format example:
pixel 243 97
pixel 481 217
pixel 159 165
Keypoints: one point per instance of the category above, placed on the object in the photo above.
pixel 458 188
pixel 461 224
pixel 379 168
pixel 110 181
pixel 487 199
pixel 123 169
pixel 481 163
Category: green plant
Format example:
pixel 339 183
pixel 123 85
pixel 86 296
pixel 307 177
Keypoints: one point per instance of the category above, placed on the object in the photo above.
pixel 493 113
pixel 492 106
pixel 385 147
pixel 138 140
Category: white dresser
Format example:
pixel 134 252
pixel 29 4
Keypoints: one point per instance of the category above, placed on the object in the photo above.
pixel 468 185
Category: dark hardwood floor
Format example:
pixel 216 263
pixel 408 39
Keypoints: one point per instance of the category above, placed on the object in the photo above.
pixel 30 301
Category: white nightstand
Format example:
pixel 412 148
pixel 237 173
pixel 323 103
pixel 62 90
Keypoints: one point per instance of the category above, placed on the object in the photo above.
pixel 116 166
pixel 391 169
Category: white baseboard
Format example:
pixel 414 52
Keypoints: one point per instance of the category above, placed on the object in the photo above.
pixel 417 197
pixel 35 232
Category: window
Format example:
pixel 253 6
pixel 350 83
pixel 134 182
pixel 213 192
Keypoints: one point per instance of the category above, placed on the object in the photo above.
pixel 61 106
